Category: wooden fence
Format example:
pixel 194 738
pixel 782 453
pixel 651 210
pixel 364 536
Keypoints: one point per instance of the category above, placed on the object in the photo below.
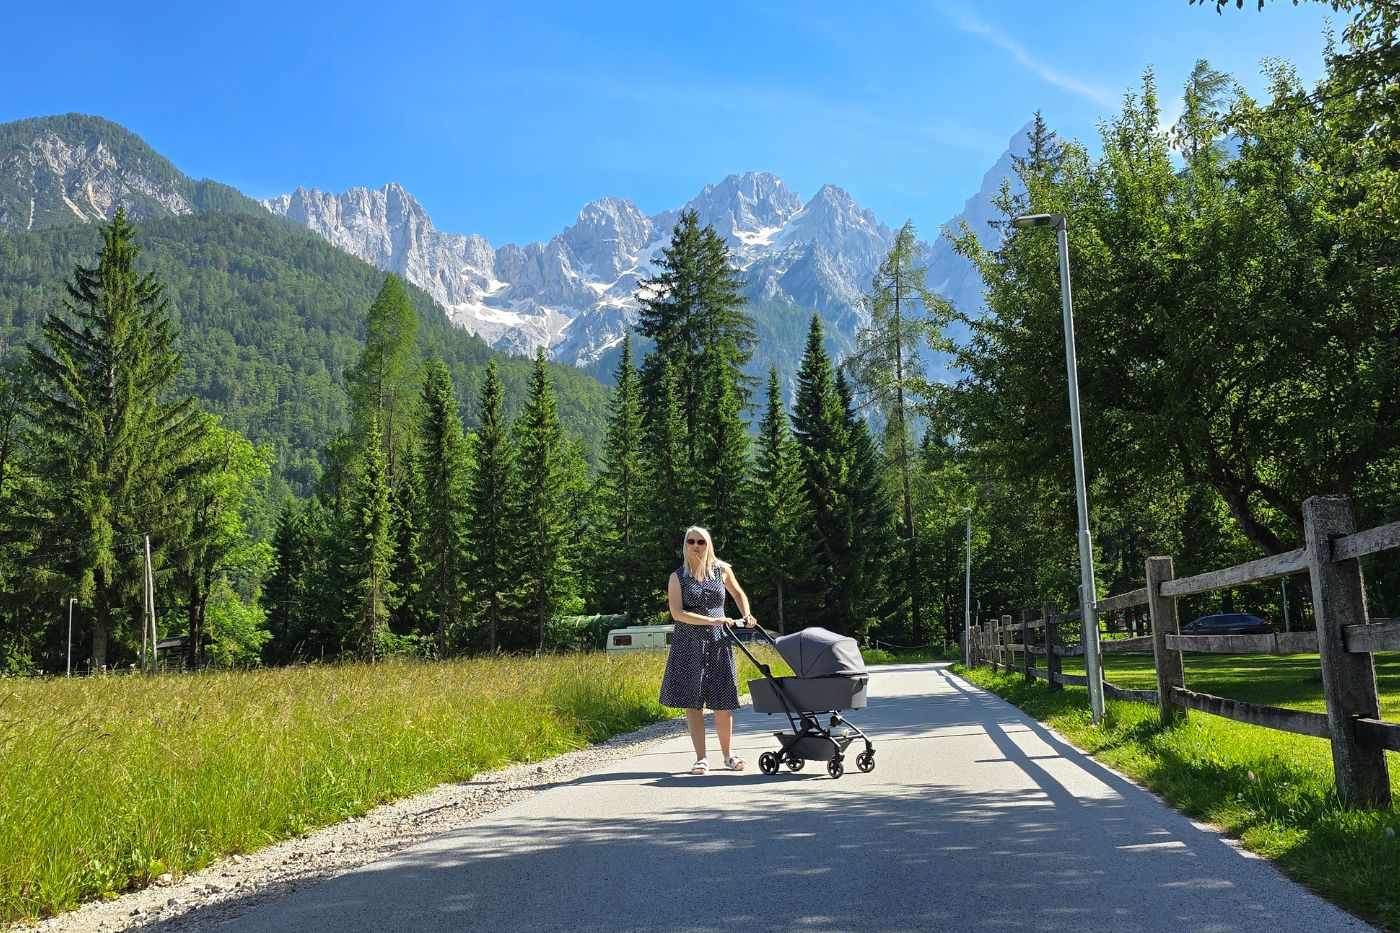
pixel 1345 638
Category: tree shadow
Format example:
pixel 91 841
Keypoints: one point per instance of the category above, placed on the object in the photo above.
pixel 1036 837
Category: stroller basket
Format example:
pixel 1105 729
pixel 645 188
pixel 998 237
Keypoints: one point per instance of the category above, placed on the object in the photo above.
pixel 809 694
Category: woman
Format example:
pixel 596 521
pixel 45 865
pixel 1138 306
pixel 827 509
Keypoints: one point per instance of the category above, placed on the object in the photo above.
pixel 700 669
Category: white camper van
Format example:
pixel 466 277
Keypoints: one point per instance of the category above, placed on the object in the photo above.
pixel 639 638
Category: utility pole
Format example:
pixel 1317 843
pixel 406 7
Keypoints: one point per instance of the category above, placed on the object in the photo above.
pixel 150 621
pixel 71 601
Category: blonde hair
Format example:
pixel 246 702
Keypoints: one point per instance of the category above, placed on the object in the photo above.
pixel 700 568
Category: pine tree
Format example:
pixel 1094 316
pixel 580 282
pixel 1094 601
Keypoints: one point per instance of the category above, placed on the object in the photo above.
pixel 868 521
pixel 407 617
pixel 115 453
pixel 370 558
pixel 444 469
pixel 667 472
pixel 691 307
pixel 381 383
pixel 490 535
pixel 780 517
pixel 622 567
pixel 284 593
pixel 544 571
pixel 722 454
pixel 1044 152
pixel 818 423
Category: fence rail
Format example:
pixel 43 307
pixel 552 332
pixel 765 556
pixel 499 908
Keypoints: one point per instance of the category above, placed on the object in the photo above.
pixel 1345 640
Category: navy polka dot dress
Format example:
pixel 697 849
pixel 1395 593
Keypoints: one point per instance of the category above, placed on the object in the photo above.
pixel 700 670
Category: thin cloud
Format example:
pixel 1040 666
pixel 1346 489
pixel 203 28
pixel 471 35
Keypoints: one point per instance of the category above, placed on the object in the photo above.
pixel 977 27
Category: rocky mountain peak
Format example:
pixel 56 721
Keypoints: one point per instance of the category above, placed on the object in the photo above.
pixel 747 210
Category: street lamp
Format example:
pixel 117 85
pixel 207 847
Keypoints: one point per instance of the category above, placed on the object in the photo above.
pixel 967 597
pixel 1088 597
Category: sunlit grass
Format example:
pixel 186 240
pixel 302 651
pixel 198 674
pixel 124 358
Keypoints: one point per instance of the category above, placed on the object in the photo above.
pixel 1273 790
pixel 105 783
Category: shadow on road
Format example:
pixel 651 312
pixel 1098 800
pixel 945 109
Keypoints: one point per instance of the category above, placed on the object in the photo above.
pixel 1021 833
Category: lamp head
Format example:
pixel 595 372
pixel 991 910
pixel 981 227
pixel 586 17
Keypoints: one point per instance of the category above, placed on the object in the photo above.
pixel 1039 220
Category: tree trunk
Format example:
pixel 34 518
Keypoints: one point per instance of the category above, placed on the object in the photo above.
pixel 782 626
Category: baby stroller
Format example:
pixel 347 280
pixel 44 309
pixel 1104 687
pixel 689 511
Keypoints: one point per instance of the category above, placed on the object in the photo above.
pixel 830 677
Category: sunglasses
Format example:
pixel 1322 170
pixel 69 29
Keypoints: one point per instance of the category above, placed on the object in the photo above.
pixel 694 541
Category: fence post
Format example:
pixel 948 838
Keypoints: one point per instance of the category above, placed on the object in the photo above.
pixel 1006 653
pixel 1162 611
pixel 1026 646
pixel 1348 680
pixel 1052 646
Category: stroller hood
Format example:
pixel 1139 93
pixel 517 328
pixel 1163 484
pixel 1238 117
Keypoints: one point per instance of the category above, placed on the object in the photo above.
pixel 815 652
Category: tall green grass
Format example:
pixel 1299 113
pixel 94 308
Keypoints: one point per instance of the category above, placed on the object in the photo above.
pixel 1273 790
pixel 107 782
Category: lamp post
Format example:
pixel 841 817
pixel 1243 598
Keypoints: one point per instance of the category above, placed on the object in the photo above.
pixel 967 597
pixel 1088 597
pixel 71 601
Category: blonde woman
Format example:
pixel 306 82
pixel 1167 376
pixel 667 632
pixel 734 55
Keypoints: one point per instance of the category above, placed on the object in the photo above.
pixel 700 670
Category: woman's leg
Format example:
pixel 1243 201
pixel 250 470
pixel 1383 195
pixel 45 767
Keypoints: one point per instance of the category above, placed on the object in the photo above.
pixel 724 728
pixel 695 721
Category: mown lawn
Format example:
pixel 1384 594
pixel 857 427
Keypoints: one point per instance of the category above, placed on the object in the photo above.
pixel 1273 790
pixel 107 782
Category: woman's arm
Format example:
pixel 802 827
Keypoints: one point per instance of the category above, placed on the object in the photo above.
pixel 673 599
pixel 731 583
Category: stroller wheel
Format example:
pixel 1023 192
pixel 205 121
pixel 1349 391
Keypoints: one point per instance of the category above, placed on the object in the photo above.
pixel 768 763
pixel 835 768
pixel 865 761
pixel 795 762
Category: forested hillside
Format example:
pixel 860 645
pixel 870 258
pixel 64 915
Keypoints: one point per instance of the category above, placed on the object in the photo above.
pixel 270 316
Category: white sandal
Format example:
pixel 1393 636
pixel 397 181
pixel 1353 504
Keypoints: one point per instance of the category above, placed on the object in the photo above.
pixel 701 766
pixel 735 763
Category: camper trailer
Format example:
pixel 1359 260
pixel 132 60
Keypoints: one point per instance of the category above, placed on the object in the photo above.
pixel 653 638
pixel 639 638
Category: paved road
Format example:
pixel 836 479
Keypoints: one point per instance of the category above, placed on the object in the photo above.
pixel 976 818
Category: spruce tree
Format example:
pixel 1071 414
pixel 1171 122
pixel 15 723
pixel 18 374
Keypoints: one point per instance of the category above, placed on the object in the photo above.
pixel 722 454
pixel 690 308
pixel 490 534
pixel 668 477
pixel 1044 152
pixel 114 451
pixel 444 470
pixel 284 593
pixel 620 543
pixel 818 423
pixel 544 567
pixel 370 558
pixel 780 517
pixel 407 617
pixel 868 520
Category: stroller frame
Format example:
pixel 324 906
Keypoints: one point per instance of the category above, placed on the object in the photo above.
pixel 808 740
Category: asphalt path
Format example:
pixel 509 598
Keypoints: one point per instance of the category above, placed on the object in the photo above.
pixel 975 818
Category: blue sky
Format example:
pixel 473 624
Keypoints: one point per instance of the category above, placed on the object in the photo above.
pixel 505 118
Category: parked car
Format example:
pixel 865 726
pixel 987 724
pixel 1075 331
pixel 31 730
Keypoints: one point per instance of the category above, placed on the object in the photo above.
pixel 1228 623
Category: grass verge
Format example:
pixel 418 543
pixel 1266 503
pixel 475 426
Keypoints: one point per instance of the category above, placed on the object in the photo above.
pixel 108 782
pixel 1272 790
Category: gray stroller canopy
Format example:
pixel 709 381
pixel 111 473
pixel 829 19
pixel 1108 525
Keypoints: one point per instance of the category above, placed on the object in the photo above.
pixel 815 652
